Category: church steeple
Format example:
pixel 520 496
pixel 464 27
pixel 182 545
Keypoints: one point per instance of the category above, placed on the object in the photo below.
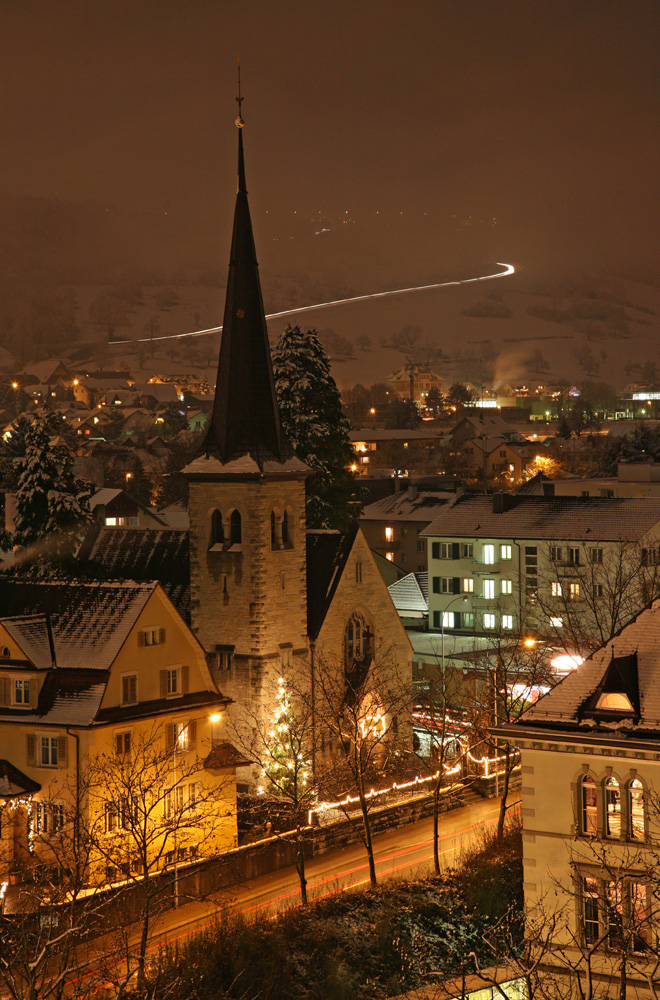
pixel 245 419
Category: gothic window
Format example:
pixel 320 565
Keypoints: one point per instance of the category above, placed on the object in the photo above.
pixel 235 533
pixel 287 538
pixel 357 638
pixel 217 533
pixel 273 530
pixel 358 650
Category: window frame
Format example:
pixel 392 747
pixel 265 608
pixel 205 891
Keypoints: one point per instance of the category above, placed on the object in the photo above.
pixel 128 676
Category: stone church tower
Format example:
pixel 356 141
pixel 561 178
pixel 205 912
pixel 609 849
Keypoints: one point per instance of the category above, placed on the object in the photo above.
pixel 247 497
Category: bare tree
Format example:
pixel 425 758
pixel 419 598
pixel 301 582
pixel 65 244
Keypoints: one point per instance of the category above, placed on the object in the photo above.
pixel 363 707
pixel 153 806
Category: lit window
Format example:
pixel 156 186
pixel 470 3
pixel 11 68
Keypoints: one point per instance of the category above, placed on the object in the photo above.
pixel 505 551
pixel 636 818
pixel 48 751
pixel 448 619
pixel 612 808
pixel 489 588
pixel 489 621
pixel 588 806
pixel 507 621
pixel 506 587
pixel 574 591
pixel 555 589
pixel 389 556
pixel 556 622
pixel 468 619
pixel 489 554
pixel 590 906
pixel 468 585
pixel 388 534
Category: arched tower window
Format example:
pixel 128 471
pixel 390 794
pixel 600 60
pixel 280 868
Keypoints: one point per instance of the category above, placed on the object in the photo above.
pixel 358 651
pixel 612 808
pixel 235 531
pixel 217 532
pixel 273 530
pixel 286 533
pixel 588 807
pixel 636 815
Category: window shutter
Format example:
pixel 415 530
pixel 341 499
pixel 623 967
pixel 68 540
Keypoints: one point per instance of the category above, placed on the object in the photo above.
pixel 163 683
pixel 119 743
pixel 455 550
pixel 457 619
pixel 170 736
pixel 34 693
pixel 141 640
pixel 457 585
pixel 436 584
pixel 5 690
pixel 61 751
pixel 192 733
pixel 161 635
pixel 184 679
pixel 32 749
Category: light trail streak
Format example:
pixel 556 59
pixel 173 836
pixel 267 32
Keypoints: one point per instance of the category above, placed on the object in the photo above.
pixel 510 269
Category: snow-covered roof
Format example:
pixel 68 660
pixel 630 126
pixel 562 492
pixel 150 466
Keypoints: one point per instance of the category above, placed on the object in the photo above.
pixel 563 704
pixel 89 621
pixel 410 594
pixel 404 507
pixel 175 516
pixel 580 518
pixel 244 466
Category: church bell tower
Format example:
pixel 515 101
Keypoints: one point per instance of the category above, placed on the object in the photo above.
pixel 247 495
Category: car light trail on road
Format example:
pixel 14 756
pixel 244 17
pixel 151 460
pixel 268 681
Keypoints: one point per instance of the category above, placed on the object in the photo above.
pixel 371 297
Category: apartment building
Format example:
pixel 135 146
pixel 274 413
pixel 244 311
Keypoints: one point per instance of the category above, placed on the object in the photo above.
pixel 580 564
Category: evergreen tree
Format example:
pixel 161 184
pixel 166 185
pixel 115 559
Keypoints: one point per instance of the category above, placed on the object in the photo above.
pixel 313 420
pixel 50 500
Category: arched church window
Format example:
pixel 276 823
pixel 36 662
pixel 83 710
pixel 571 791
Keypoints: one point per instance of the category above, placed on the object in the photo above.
pixel 358 638
pixel 273 530
pixel 217 532
pixel 235 531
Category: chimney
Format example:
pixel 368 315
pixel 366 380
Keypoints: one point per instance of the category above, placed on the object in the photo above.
pixel 503 502
pixel 412 492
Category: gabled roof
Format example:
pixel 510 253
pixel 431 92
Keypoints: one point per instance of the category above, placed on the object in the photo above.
pixel 327 554
pixel 411 594
pixel 579 518
pixel 33 635
pixel 142 554
pixel 89 621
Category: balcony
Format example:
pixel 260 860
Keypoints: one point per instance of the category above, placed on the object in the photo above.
pixel 388 546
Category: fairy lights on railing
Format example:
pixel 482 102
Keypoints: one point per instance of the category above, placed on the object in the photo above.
pixel 487 763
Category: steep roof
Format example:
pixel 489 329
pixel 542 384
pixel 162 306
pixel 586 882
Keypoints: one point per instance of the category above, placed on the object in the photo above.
pixel 327 553
pixel 245 421
pixel 13 783
pixel 580 518
pixel 89 621
pixel 411 594
pixel 142 554
pixel 630 662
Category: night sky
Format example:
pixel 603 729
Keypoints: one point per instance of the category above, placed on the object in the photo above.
pixel 541 115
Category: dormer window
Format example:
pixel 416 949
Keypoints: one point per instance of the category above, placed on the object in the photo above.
pixel 617 696
pixel 6 653
pixel 614 701
pixel 22 692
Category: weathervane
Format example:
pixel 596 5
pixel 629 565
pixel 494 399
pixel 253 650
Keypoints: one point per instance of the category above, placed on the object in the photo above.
pixel 239 100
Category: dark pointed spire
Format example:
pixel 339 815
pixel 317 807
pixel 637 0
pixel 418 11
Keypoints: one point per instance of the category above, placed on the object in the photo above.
pixel 245 418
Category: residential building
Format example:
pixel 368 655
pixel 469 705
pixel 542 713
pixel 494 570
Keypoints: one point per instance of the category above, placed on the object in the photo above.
pixel 415 382
pixel 93 671
pixel 590 752
pixel 396 450
pixel 557 564
pixel 393 526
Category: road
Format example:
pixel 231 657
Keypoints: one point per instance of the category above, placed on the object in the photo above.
pixel 372 296
pixel 403 853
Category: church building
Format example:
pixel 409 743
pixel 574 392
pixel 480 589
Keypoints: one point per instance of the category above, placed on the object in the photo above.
pixel 266 595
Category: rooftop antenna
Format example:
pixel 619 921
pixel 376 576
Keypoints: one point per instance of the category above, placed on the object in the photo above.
pixel 239 100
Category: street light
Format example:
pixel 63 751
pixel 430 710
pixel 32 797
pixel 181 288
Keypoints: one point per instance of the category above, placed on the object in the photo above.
pixel 442 634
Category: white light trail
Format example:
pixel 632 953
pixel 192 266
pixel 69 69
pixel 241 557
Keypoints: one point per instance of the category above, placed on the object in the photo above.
pixel 510 269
